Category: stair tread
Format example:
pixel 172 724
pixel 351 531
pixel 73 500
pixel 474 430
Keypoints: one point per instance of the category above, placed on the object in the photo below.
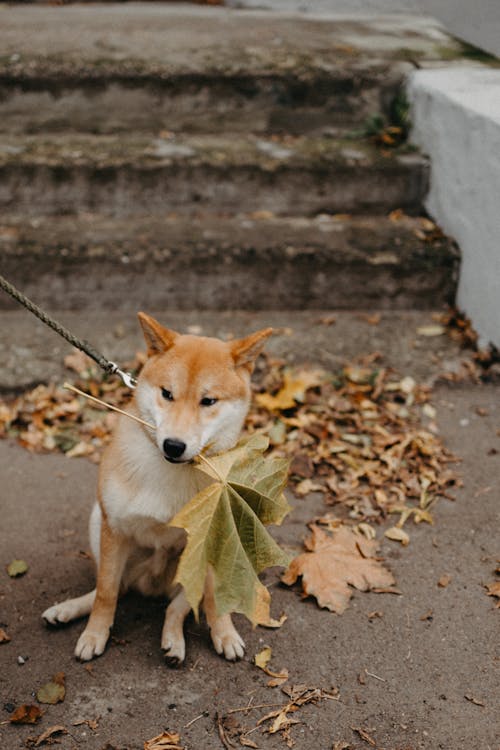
pixel 219 151
pixel 156 39
pixel 374 239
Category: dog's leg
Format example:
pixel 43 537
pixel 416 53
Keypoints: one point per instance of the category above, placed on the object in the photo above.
pixel 69 610
pixel 114 550
pixel 172 637
pixel 225 637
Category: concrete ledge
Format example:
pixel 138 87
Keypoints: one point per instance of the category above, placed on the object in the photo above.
pixel 456 119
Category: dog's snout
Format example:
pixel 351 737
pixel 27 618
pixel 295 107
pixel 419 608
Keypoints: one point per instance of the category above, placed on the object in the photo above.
pixel 173 448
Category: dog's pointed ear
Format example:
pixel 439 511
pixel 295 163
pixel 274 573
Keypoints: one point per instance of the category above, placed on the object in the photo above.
pixel 158 338
pixel 245 351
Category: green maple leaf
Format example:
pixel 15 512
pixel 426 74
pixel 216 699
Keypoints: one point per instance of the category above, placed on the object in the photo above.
pixel 225 525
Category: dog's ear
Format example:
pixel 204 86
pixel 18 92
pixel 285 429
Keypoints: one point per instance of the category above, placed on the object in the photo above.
pixel 245 351
pixel 158 338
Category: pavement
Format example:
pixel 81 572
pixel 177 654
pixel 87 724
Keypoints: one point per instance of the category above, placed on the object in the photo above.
pixel 402 678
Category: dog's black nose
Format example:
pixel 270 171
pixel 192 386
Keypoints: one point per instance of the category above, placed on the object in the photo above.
pixel 173 448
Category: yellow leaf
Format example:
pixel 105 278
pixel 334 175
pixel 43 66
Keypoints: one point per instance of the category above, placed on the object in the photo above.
pixel 164 741
pixel 293 390
pixel 225 525
pixel 17 568
pixel 263 658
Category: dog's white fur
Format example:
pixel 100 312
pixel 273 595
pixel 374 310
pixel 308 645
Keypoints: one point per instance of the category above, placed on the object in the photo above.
pixel 140 492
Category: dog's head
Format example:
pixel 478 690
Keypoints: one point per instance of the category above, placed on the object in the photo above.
pixel 195 390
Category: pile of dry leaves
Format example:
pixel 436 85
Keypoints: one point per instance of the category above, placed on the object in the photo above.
pixel 363 437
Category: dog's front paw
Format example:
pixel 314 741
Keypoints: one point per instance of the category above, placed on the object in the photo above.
pixel 175 650
pixel 60 613
pixel 90 644
pixel 226 639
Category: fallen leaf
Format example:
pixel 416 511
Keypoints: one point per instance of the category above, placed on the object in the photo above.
pixel 164 741
pixel 225 529
pixel 494 590
pixel 4 637
pixel 246 742
pixel 277 678
pixel 429 615
pixel 79 363
pixel 335 562
pixel 25 714
pixel 46 737
pixel 17 568
pixel 444 581
pixel 52 692
pixel 306 487
pixel 293 390
pixel 91 723
pixel 263 658
pixel 397 535
pixel 364 735
pixel 431 330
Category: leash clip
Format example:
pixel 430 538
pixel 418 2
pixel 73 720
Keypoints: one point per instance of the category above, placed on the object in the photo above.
pixel 126 377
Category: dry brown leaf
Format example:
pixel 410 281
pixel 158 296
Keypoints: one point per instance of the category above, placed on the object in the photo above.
pixel 91 723
pixel 79 363
pixel 336 562
pixel 25 714
pixel 262 660
pixel 397 535
pixel 46 737
pixel 4 637
pixel 364 735
pixel 164 741
pixel 494 590
pixel 246 742
pixel 444 581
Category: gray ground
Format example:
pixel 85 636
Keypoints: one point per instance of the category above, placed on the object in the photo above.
pixel 424 667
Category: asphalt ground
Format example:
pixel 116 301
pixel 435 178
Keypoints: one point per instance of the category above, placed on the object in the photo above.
pixel 422 675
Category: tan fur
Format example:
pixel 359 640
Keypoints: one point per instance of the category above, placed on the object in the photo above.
pixel 139 491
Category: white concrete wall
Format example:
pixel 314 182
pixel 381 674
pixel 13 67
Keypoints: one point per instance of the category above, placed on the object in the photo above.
pixel 475 21
pixel 456 120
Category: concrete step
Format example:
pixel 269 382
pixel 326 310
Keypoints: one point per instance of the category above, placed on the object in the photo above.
pixel 215 262
pixel 152 67
pixel 136 175
pixel 31 353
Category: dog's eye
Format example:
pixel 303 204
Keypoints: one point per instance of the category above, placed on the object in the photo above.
pixel 167 395
pixel 208 401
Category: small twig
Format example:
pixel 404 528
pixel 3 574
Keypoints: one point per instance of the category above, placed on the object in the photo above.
pixel 252 708
pixel 200 716
pixel 370 674
pixel 108 406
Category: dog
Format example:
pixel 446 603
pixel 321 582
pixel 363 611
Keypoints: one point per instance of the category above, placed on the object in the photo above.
pixel 196 392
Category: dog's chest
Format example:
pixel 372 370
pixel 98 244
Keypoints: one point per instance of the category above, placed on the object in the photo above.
pixel 142 509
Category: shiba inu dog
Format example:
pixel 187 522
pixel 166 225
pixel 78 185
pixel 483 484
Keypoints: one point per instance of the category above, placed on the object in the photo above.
pixel 196 393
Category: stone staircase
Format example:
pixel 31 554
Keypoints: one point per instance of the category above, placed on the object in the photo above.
pixel 191 158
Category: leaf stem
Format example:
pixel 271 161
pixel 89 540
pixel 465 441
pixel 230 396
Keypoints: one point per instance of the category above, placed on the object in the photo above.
pixel 201 457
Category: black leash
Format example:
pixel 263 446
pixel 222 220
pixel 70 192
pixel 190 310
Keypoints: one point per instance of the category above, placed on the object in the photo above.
pixel 109 367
